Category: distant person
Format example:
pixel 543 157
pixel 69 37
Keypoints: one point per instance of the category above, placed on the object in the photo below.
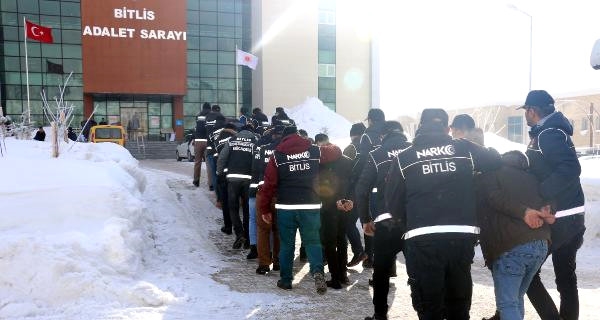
pixel 103 122
pixel 262 121
pixel 200 144
pixel 245 116
pixel 71 134
pixel 463 127
pixel 40 135
pixel 304 135
pixel 554 162
pixel 281 117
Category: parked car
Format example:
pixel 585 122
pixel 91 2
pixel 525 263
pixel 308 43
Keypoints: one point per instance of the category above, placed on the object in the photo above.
pixel 185 150
pixel 108 133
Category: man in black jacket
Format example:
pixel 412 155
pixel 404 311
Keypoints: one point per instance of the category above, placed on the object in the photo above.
pixel 554 163
pixel 369 141
pixel 200 143
pixel 430 190
pixel 388 238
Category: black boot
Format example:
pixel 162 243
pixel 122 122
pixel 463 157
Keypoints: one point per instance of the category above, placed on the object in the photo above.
pixel 253 254
pixel 239 241
pixel 262 270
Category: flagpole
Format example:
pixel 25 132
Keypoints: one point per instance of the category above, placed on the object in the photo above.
pixel 26 69
pixel 237 66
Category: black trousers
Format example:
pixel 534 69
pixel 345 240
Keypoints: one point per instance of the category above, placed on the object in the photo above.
pixel 439 275
pixel 387 243
pixel 333 239
pixel 222 198
pixel 238 190
pixel 564 262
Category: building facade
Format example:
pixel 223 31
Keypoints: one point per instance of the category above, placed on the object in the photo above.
pixel 158 61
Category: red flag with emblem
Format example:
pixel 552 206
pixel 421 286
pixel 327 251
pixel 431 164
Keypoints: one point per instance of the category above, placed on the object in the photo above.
pixel 246 59
pixel 39 33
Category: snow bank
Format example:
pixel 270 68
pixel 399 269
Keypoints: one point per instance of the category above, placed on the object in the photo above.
pixel 590 180
pixel 314 117
pixel 71 227
pixel 502 144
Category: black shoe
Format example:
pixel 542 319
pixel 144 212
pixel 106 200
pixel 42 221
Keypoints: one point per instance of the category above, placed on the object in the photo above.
pixel 367 264
pixel 320 283
pixel 262 270
pixel 376 317
pixel 284 286
pixel 276 266
pixel 239 241
pixel 253 254
pixel 356 259
pixel 211 188
pixel 334 284
pixel 196 183
pixel 247 244
pixel 345 281
pixel 226 230
pixel 496 316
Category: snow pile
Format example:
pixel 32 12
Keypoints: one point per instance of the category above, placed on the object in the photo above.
pixel 590 180
pixel 314 117
pixel 502 144
pixel 71 227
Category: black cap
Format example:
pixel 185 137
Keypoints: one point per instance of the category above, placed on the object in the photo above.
pixel 463 122
pixel 430 116
pixel 279 109
pixel 391 126
pixel 290 130
pixel 278 129
pixel 540 99
pixel 376 115
pixel 357 129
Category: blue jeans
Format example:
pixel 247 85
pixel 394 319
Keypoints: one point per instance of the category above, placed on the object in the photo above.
pixel 211 164
pixel 252 220
pixel 309 223
pixel 513 272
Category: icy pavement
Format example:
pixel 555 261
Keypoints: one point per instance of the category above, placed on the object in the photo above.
pixel 192 260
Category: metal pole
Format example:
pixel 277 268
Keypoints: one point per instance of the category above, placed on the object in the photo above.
pixel 237 107
pixel 26 70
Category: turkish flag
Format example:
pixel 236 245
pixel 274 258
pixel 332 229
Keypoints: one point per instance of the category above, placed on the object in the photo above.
pixel 246 59
pixel 39 33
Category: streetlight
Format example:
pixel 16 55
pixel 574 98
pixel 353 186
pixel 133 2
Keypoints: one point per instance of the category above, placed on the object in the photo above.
pixel 513 7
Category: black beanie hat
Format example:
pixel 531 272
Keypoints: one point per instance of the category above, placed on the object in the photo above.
pixel 290 130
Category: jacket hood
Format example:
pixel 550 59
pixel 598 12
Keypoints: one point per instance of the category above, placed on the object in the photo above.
pixel 556 120
pixel 394 136
pixel 246 134
pixel 293 143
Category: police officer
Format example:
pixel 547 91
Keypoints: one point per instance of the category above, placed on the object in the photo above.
pixel 554 162
pixel 235 162
pixel 430 188
pixel 200 143
pixel 388 237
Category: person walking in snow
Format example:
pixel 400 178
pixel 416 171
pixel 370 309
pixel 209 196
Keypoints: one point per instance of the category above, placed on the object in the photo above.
pixel 292 173
pixel 554 162
pixel 200 144
pixel 40 134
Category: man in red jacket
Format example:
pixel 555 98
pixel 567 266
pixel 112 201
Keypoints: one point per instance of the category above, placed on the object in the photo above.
pixel 293 174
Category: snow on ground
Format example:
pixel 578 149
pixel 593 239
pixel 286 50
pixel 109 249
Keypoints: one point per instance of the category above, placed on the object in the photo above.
pixel 92 235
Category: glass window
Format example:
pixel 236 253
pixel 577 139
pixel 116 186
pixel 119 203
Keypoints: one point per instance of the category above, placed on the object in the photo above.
pixel 192 17
pixel 50 7
pixel 70 9
pixel 154 108
pixel 28 7
pixel 193 69
pixel 14 107
pixel 327 95
pixel 227 84
pixel 193 42
pixel 326 70
pixel 193 5
pixel 584 123
pixel 208 57
pixel 51 50
pixel 71 22
pixel 208 30
pixel 208 95
pixel 227 5
pixel 11 33
pixel 226 96
pixel 326 17
pixel 226 19
pixel 166 121
pixel 192 96
pixel 326 83
pixel 11 48
pixel 190 108
pixel 14 92
pixel 208 18
pixel 33 49
pixel 166 108
pixel 226 71
pixel 112 107
pixel 327 31
pixel 209 70
pixel 35 64
pixel 71 51
pixel 71 36
pixel 193 83
pixel 9 18
pixel 226 44
pixel 208 5
pixel 208 43
pixel 72 65
pixel 8 5
pixel 226 32
pixel 326 43
pixel 193 56
pixel 51 21
pixel 514 129
pixel 226 57
pixel 326 56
